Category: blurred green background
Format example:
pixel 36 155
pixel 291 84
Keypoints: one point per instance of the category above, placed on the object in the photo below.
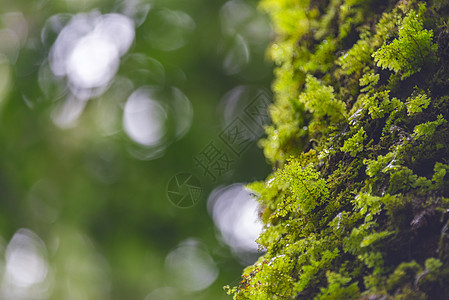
pixel 101 104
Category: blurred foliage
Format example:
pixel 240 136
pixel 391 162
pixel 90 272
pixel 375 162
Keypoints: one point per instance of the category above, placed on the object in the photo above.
pixel 83 210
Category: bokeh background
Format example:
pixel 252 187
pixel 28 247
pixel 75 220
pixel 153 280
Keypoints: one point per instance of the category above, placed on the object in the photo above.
pixel 102 103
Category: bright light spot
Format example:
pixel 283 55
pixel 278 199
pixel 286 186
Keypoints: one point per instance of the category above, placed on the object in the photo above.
pixel 93 62
pixel 66 114
pixel 237 56
pixel 234 212
pixel 191 267
pixel 117 28
pixel 144 118
pixel 88 49
pixel 25 262
pixel 154 118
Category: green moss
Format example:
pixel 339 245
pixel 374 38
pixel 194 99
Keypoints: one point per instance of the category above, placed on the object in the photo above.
pixel 356 58
pixel 354 144
pixel 417 103
pixel 427 129
pixel 413 48
pixel 369 80
pixel 339 288
pixel 320 100
pixel 323 58
pixel 404 274
pixel 356 206
pixel 383 163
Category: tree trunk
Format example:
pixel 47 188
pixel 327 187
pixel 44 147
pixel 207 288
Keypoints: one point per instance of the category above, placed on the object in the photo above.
pixel 357 206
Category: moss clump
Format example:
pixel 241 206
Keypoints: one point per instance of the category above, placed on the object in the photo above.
pixel 411 50
pixel 357 204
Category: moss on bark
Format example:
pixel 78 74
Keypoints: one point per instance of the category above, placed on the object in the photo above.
pixel 357 204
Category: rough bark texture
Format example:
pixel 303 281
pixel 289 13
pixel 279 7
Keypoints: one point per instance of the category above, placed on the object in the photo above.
pixel 357 206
